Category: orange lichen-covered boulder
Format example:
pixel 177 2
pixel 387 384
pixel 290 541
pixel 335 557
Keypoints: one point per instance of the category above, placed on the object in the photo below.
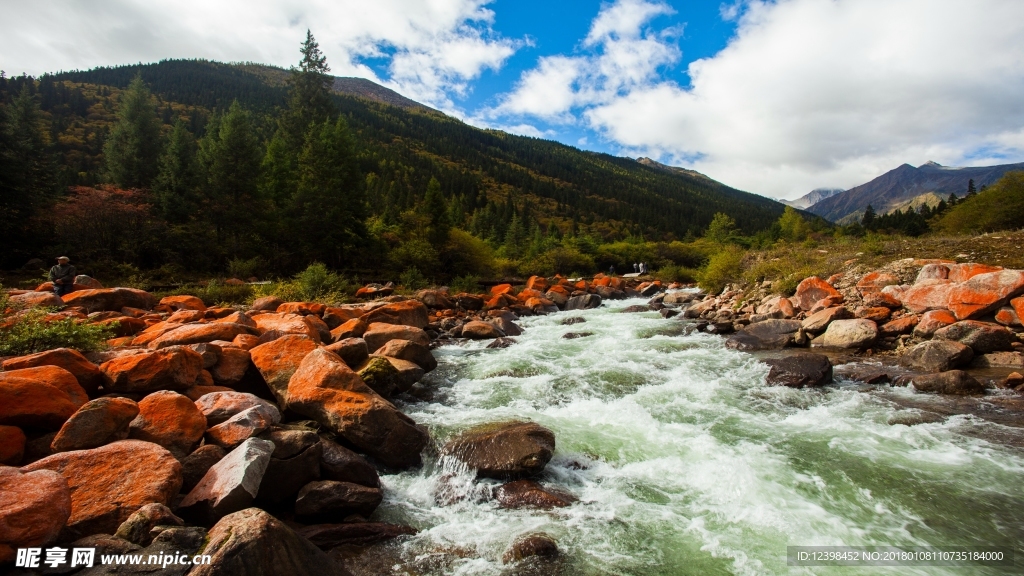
pixel 110 299
pixel 34 507
pixel 281 324
pixel 302 308
pixel 153 332
pixel 170 420
pixel 932 321
pixel 12 445
pixel 336 316
pixel 602 281
pixel 875 281
pixel 985 293
pixel 538 283
pixel 379 334
pixel 406 313
pixel 39 398
pixel 200 333
pixel 110 483
pixel 183 302
pixel 964 272
pixel 268 303
pixel 88 374
pixel 1007 316
pixel 97 422
pixel 933 295
pixel 353 328
pixel 325 389
pixel 278 360
pixel 37 299
pixel 174 368
pixel 813 289
pixel 529 293
pixel 501 289
pixel 899 326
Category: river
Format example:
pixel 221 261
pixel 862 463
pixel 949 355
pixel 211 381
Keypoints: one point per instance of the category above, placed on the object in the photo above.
pixel 685 462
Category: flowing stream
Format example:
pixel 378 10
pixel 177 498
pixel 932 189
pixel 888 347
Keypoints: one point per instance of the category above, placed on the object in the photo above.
pixel 685 462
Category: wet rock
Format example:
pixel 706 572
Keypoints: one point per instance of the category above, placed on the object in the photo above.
pixel 97 422
pixel 530 546
pixel 573 320
pixel 231 367
pixel 325 389
pixel 575 335
pixel 408 313
pixel 982 337
pixel 938 355
pixel 379 334
pixel 411 351
pixel 857 333
pixel 175 368
pixel 507 326
pixel 812 290
pixel 381 376
pixel 198 463
pixel 199 333
pixel 636 308
pixel 478 330
pixel 34 507
pixel 999 360
pixel 170 420
pixel 218 407
pixel 278 360
pixel 914 417
pixel 88 374
pixel 501 343
pixel 138 527
pixel 231 484
pixel 799 370
pixel 328 536
pixel 294 463
pixel 985 293
pixel 529 494
pixel 108 484
pixel 246 424
pixel 254 543
pixel 583 302
pixel 409 373
pixel 113 299
pixel 41 398
pixel 668 312
pixel 955 382
pixel 352 350
pixel 343 465
pixel 767 335
pixel 333 499
pixel 12 445
pixel 503 450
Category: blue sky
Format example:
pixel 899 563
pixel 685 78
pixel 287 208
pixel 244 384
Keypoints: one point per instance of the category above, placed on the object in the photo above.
pixel 776 97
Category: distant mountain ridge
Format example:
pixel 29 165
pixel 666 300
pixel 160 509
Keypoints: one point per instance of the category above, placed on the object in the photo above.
pixel 905 185
pixel 813 197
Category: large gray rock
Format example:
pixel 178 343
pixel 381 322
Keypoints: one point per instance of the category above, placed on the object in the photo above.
pixel 479 330
pixel 956 382
pixel 341 464
pixel 503 449
pixel 583 302
pixel 218 407
pixel 294 463
pixel 97 422
pixel 169 543
pixel 859 333
pixel 938 355
pixel 231 484
pixel 254 543
pixel 352 350
pixel 820 320
pixel 138 528
pixel 1000 360
pixel 411 351
pixel 799 370
pixel 766 335
pixel 982 337
pixel 333 499
pixel 198 463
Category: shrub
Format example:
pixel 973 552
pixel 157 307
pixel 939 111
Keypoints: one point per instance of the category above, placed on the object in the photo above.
pixel 675 273
pixel 468 283
pixel 29 331
pixel 723 268
pixel 412 279
pixel 559 261
pixel 244 269
pixel 215 293
pixel 316 283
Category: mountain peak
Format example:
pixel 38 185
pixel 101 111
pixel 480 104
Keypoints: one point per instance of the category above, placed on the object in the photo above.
pixel 931 164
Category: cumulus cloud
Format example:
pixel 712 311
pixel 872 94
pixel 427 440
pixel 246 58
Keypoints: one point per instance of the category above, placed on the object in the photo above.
pixel 807 93
pixel 432 49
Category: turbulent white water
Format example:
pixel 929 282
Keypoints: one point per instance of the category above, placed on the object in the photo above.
pixel 685 462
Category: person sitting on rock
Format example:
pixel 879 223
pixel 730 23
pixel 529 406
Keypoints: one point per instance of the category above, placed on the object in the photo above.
pixel 63 276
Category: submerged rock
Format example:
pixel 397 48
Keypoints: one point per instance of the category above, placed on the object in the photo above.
pixel 530 494
pixel 799 370
pixel 503 449
pixel 955 382
pixel 531 545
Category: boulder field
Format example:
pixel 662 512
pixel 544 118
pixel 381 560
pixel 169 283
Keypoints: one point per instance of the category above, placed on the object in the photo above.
pixel 256 434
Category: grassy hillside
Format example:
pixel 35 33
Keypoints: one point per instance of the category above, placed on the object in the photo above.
pixel 998 207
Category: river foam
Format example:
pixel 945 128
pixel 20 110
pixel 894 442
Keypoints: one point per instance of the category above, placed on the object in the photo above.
pixel 684 462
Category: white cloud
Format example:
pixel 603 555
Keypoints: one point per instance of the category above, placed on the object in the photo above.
pixel 433 48
pixel 808 93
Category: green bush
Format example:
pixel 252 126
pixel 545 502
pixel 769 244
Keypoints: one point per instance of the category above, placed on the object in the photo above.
pixel 412 279
pixel 675 273
pixel 566 261
pixel 245 269
pixel 214 293
pixel 468 283
pixel 28 332
pixel 316 283
pixel 723 268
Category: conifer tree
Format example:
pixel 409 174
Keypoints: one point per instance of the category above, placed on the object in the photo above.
pixel 436 210
pixel 869 217
pixel 177 184
pixel 309 96
pixel 133 147
pixel 722 227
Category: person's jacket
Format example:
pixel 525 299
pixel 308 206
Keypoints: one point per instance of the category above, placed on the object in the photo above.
pixel 64 272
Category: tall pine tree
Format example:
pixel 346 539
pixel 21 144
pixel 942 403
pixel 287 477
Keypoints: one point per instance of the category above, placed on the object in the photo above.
pixel 309 96
pixel 133 148
pixel 177 184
